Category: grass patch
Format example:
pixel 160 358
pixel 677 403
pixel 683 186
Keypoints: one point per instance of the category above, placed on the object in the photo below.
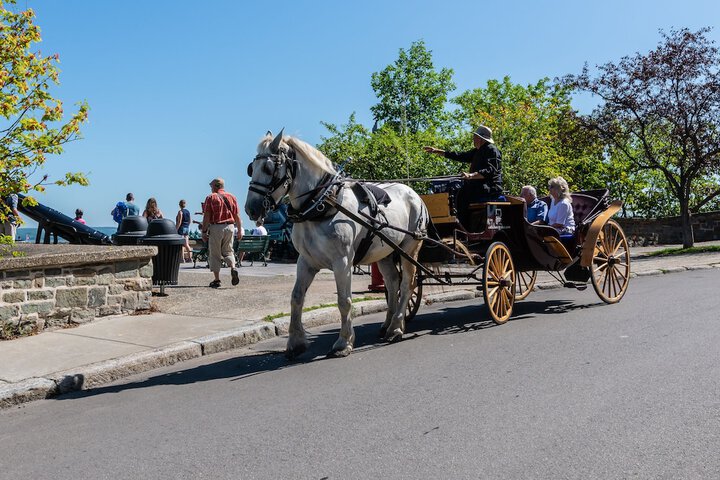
pixel 683 251
pixel 270 318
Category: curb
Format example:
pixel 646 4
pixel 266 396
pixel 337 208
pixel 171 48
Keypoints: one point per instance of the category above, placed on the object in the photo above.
pixel 96 374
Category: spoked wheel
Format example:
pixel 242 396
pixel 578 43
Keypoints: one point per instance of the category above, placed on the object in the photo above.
pixel 611 263
pixel 415 298
pixel 499 282
pixel 524 283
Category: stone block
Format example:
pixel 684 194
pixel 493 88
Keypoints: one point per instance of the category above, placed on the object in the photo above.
pixel 105 271
pixel 114 299
pixel 105 279
pixel 9 312
pixel 147 270
pixel 42 308
pixel 5 285
pixel 109 310
pixel 116 289
pixel 82 315
pixel 38 282
pixel 40 294
pixel 144 300
pixel 86 280
pixel 96 296
pixel 22 284
pixel 71 297
pixel 138 284
pixel 129 301
pixel 54 282
pixel 127 274
pixel 14 296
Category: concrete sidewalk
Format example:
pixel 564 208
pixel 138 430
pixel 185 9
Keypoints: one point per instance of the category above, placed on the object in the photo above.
pixel 196 321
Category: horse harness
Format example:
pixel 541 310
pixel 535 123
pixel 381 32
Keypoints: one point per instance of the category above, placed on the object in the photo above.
pixel 321 201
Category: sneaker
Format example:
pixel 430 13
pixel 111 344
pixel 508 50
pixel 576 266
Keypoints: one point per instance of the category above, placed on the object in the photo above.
pixel 235 277
pixel 215 284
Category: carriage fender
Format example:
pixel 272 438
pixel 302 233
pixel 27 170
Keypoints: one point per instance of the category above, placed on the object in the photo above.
pixel 588 249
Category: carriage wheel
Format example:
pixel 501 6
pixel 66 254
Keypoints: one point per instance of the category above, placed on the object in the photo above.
pixel 611 263
pixel 525 281
pixel 415 299
pixel 499 282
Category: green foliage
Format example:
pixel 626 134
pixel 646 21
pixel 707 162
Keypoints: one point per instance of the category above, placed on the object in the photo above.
pixel 661 110
pixel 411 93
pixel 537 133
pixel 34 127
pixel 385 154
pixel 7 243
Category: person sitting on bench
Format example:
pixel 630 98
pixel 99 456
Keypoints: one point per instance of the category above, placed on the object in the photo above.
pixel 536 209
pixel 483 183
pixel 560 215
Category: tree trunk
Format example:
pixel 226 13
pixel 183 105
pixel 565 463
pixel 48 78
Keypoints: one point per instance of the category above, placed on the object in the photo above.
pixel 688 238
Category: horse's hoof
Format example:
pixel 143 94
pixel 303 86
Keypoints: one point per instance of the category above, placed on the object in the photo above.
pixel 394 336
pixel 382 332
pixel 293 353
pixel 339 353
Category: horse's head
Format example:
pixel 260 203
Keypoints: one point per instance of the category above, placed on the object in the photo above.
pixel 271 173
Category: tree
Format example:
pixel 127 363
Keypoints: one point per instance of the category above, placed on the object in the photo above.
pixel 33 120
pixel 383 154
pixel 411 93
pixel 661 110
pixel 537 132
pixel 410 113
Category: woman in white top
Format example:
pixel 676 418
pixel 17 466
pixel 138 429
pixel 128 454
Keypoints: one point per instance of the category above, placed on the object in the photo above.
pixel 560 215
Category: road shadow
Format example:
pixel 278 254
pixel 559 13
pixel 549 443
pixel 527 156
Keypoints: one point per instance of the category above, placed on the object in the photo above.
pixel 450 320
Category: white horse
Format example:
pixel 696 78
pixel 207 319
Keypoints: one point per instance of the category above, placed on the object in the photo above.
pixel 328 238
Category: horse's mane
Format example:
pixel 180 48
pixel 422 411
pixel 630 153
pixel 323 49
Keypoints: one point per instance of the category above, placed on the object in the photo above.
pixel 302 150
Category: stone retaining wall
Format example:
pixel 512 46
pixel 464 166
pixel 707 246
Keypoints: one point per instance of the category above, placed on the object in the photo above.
pixel 65 285
pixel 706 227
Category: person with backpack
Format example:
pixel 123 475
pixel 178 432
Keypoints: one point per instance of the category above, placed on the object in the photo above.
pixel 125 209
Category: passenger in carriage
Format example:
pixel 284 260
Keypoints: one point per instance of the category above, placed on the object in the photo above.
pixel 561 215
pixel 536 209
pixel 483 183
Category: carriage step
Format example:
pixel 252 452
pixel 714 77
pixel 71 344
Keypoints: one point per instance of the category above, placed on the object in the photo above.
pixel 576 286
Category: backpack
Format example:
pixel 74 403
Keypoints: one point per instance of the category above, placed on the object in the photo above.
pixel 119 212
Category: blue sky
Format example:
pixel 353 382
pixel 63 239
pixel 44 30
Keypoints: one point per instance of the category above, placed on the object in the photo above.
pixel 181 92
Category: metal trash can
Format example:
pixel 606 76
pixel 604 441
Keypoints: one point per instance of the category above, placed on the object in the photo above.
pixel 166 264
pixel 131 232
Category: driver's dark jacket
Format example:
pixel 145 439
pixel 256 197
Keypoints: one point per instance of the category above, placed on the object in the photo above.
pixel 487 161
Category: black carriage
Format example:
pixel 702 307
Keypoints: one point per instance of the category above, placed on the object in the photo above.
pixel 502 252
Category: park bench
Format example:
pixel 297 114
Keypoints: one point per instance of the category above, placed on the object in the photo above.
pixel 251 245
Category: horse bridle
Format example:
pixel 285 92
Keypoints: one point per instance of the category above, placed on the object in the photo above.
pixel 267 190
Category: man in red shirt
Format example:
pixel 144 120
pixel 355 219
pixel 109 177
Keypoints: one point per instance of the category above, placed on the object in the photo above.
pixel 221 216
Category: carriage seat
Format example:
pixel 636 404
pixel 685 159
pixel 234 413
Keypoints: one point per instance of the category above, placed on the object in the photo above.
pixel 582 205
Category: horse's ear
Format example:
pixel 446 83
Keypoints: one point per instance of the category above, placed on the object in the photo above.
pixel 268 133
pixel 250 170
pixel 275 145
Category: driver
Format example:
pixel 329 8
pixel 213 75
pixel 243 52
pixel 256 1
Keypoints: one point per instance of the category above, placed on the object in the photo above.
pixel 483 183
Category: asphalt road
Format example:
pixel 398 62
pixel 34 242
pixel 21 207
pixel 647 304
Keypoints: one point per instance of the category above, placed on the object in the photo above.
pixel 568 388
